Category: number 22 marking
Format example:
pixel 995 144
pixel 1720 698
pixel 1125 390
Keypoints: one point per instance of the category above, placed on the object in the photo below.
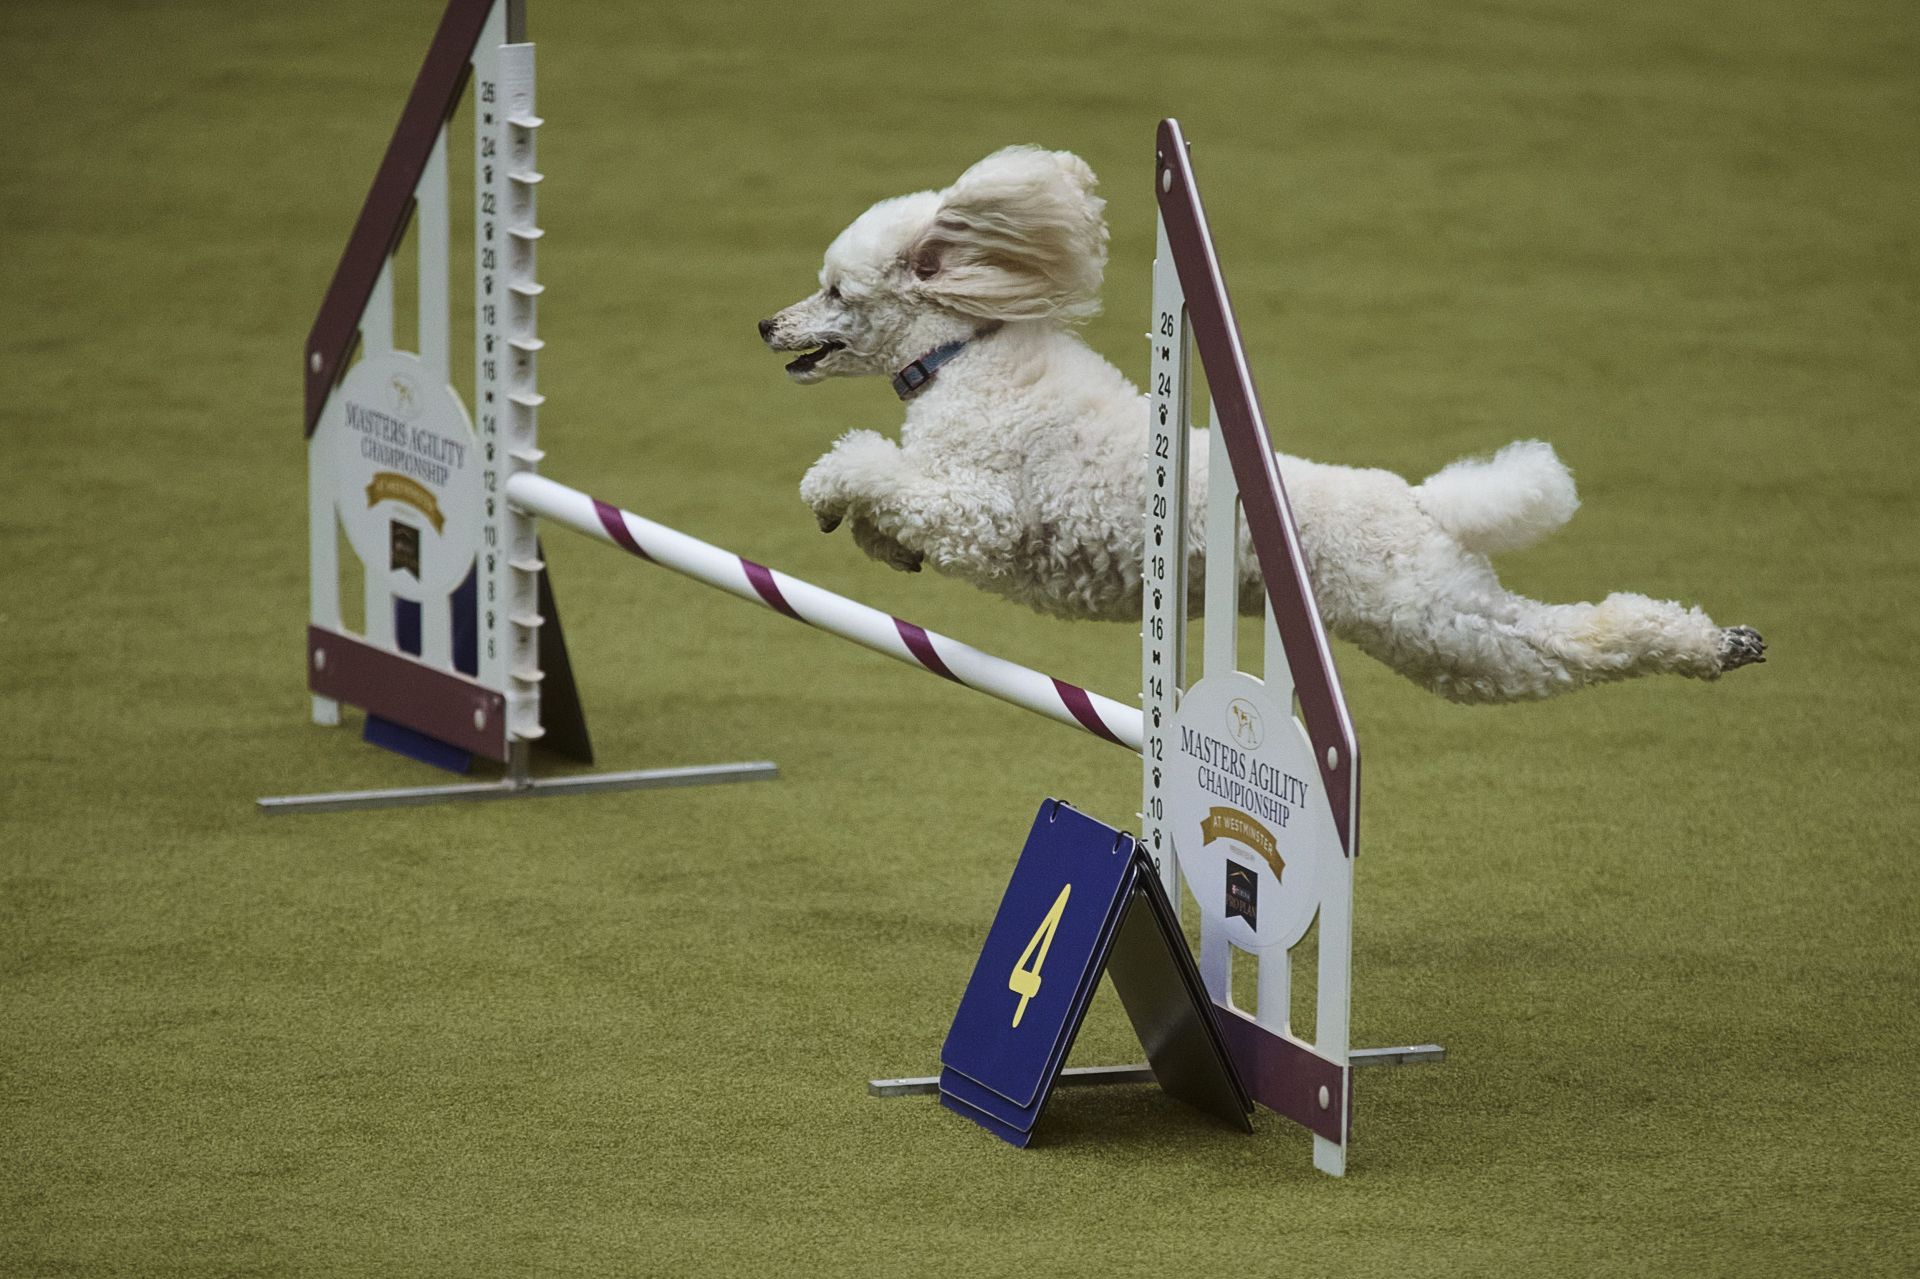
pixel 1024 981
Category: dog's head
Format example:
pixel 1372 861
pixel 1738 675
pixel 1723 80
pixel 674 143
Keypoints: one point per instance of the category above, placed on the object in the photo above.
pixel 1019 237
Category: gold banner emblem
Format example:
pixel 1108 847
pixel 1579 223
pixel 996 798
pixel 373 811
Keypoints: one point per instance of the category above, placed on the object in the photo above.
pixel 389 486
pixel 1231 823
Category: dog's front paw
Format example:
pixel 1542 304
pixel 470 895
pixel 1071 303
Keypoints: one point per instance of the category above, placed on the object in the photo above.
pixel 860 466
pixel 822 492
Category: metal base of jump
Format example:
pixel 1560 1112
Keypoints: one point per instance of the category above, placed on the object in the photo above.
pixel 519 784
pixel 1098 1076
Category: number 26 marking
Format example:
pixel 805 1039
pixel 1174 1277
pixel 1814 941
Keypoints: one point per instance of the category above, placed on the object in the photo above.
pixel 1024 981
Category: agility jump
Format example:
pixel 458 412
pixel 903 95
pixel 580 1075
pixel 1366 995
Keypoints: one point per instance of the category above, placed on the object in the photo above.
pixel 438 496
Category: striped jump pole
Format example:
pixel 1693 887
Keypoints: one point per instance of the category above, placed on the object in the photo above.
pixel 822 609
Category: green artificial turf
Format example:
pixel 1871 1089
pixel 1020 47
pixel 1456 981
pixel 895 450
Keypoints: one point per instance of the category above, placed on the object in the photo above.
pixel 1666 930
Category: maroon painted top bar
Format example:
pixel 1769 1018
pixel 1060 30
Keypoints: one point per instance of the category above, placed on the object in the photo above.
pixel 1262 496
pixel 383 218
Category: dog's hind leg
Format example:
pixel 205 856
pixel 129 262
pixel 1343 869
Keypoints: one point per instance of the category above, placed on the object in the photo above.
pixel 1505 647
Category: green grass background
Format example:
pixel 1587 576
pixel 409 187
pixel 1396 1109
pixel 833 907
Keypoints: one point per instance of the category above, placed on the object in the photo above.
pixel 1665 930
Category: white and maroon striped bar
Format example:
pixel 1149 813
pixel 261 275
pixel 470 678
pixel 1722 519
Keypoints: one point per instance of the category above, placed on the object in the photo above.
pixel 836 614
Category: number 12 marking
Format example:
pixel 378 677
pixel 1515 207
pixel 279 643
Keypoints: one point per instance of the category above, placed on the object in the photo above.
pixel 1024 981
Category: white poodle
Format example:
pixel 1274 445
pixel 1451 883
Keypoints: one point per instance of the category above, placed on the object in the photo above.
pixel 1020 467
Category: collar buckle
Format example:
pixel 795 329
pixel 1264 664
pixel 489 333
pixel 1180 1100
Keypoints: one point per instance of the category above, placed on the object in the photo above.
pixel 911 379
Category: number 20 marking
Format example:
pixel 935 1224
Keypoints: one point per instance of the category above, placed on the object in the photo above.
pixel 1024 981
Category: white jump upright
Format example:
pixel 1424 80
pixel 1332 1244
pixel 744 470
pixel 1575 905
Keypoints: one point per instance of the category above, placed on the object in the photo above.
pixel 1259 807
pixel 459 654
pixel 437 496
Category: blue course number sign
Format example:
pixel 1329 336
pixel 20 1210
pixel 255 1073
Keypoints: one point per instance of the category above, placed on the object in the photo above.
pixel 1084 900
pixel 1042 956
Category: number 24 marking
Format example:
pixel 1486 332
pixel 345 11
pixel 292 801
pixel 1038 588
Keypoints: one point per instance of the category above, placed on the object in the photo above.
pixel 1024 981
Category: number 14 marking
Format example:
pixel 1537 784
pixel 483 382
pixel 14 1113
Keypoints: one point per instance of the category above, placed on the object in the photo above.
pixel 1024 981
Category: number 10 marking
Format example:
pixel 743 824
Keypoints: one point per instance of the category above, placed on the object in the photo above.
pixel 1024 981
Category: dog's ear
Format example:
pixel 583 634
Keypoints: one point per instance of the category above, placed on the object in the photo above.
pixel 1020 236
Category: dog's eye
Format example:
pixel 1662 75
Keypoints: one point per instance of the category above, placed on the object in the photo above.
pixel 833 294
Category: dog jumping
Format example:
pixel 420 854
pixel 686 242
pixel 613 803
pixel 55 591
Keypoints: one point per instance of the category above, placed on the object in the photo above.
pixel 1018 467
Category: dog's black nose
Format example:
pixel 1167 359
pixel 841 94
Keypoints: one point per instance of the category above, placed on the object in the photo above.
pixel 766 329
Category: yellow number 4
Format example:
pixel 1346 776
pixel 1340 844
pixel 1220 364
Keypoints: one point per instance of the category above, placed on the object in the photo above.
pixel 1024 981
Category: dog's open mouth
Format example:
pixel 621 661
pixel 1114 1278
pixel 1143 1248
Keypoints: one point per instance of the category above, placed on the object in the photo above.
pixel 808 360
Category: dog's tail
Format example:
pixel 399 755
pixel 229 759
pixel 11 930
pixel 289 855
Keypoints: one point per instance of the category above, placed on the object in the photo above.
pixel 1502 503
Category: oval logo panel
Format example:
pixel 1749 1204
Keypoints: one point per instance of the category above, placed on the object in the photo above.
pixel 1250 821
pixel 408 472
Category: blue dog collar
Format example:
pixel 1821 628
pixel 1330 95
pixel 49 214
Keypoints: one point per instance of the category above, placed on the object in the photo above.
pixel 921 371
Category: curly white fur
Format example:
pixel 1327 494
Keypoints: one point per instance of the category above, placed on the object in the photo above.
pixel 1019 466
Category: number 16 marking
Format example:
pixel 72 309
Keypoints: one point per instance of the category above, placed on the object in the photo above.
pixel 1024 981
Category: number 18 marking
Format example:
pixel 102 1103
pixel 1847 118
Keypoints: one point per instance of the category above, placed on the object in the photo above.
pixel 1024 981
